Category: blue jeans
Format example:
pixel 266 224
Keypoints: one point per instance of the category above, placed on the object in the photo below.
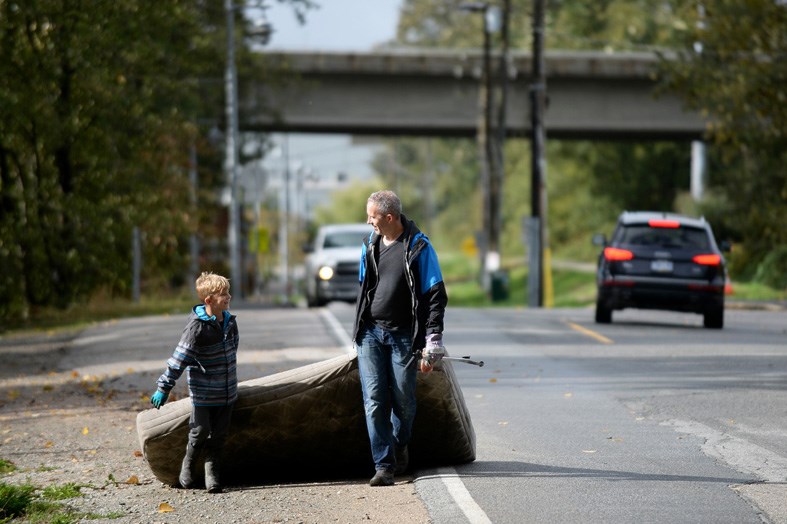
pixel 388 375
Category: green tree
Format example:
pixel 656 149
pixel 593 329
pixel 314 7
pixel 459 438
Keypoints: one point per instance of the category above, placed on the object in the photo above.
pixel 588 183
pixel 96 112
pixel 732 66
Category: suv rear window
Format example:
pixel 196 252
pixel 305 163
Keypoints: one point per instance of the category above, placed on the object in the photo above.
pixel 678 238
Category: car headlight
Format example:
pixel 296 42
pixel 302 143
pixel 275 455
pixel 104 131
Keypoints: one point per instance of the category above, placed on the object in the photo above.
pixel 325 273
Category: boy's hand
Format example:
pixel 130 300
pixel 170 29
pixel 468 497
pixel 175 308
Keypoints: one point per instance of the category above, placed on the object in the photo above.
pixel 159 399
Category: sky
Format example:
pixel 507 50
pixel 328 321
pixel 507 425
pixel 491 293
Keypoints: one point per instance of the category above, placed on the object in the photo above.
pixel 336 26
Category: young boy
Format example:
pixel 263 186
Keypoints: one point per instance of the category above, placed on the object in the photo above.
pixel 208 348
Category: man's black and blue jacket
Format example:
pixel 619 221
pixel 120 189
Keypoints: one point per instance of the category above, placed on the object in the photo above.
pixel 424 279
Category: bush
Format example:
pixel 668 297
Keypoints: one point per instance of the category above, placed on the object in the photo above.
pixel 6 466
pixel 62 492
pixel 14 500
pixel 772 271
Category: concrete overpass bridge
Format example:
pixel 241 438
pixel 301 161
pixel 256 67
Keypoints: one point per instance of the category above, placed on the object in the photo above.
pixel 434 92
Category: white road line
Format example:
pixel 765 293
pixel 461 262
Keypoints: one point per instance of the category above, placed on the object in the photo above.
pixel 338 331
pixel 456 488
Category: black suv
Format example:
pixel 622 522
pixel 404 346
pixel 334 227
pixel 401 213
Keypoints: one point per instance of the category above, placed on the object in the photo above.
pixel 661 261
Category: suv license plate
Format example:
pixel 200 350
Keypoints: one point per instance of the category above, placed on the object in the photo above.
pixel 661 266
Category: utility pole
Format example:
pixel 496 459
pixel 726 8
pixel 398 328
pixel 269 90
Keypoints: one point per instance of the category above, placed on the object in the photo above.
pixel 538 163
pixel 231 154
pixel 284 213
pixel 488 240
pixel 485 148
pixel 193 239
pixel 498 176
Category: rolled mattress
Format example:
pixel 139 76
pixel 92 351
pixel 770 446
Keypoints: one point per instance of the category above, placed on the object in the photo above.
pixel 309 422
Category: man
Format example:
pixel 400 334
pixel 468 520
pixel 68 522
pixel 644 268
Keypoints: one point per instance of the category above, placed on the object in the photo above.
pixel 399 314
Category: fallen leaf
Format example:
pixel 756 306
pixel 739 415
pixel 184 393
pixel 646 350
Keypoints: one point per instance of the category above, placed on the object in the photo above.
pixel 133 479
pixel 74 374
pixel 137 453
pixel 49 444
pixel 492 380
pixel 85 431
pixel 165 508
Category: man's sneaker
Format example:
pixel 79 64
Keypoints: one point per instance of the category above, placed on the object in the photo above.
pixel 382 477
pixel 402 460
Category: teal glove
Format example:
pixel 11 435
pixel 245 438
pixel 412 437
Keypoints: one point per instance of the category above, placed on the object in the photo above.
pixel 158 399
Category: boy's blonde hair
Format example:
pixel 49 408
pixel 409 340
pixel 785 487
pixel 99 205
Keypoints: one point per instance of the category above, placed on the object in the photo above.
pixel 211 284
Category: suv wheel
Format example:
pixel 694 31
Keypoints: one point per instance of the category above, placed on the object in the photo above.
pixel 315 302
pixel 314 299
pixel 714 317
pixel 603 314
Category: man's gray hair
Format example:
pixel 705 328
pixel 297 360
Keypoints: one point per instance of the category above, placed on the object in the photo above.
pixel 387 202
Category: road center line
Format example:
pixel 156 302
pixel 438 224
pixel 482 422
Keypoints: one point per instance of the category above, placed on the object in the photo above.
pixel 592 334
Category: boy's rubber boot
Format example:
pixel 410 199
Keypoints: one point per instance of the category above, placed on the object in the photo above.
pixel 186 477
pixel 212 467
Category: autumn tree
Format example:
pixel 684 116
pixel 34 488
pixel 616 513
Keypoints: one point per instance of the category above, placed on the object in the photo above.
pixel 589 182
pixel 732 66
pixel 97 110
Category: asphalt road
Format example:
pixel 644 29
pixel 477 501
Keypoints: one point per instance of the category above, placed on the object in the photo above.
pixel 652 418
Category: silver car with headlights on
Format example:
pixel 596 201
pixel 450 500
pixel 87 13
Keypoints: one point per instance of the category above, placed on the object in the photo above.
pixel 332 263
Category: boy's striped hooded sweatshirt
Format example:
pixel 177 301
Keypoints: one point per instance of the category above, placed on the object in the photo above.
pixel 208 349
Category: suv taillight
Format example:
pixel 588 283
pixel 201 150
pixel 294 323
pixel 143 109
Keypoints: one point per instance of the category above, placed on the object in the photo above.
pixel 671 224
pixel 614 254
pixel 707 260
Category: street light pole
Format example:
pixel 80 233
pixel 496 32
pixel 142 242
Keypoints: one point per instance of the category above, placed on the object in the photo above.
pixel 489 239
pixel 231 153
pixel 536 236
pixel 485 143
pixel 496 200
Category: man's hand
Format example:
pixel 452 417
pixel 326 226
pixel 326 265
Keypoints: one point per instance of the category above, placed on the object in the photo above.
pixel 434 349
pixel 159 399
pixel 433 352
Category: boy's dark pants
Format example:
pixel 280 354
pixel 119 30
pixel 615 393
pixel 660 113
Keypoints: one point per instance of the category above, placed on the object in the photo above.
pixel 208 427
